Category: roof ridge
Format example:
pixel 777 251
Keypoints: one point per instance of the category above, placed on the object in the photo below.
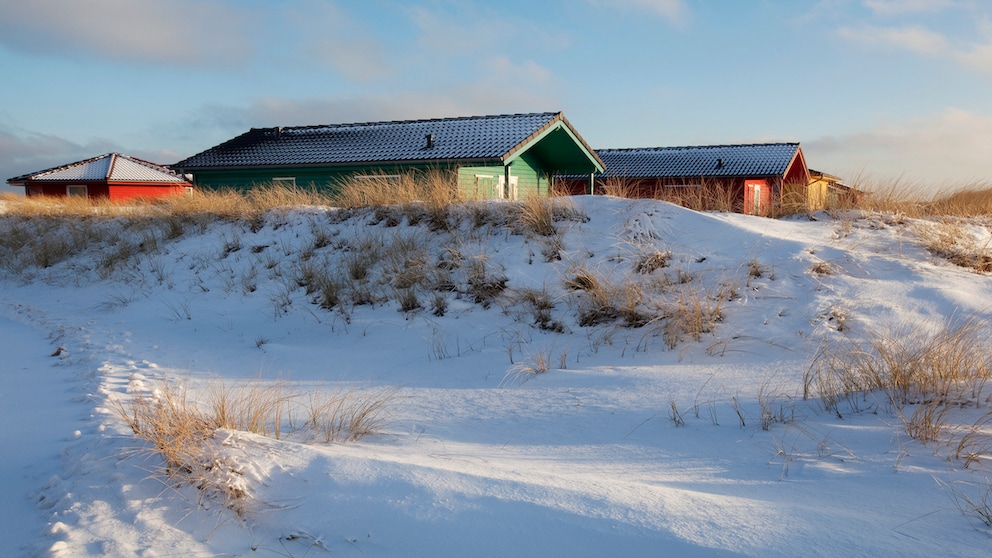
pixel 796 143
pixel 414 121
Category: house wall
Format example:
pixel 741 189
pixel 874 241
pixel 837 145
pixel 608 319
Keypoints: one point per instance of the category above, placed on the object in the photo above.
pixel 479 182
pixel 124 192
pixel 817 195
pixel 115 192
pixel 531 179
pixel 323 179
pixel 245 179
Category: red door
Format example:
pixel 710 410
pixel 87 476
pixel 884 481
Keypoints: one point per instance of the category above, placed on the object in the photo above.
pixel 757 197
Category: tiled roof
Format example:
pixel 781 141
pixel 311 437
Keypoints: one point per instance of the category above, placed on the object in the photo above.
pixel 112 167
pixel 763 159
pixel 463 138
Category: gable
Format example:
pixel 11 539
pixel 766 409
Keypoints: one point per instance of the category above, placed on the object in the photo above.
pixel 560 150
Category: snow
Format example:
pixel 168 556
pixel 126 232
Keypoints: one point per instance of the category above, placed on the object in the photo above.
pixel 475 459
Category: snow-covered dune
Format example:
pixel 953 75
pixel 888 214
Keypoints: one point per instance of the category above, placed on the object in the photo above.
pixel 623 445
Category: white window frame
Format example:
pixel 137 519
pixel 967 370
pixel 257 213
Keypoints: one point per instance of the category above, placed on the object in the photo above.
pixel 77 190
pixel 284 181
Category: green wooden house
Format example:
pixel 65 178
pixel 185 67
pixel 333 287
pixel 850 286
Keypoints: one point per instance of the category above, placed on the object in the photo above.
pixel 502 156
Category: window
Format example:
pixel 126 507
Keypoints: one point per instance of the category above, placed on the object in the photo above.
pixel 484 186
pixel 76 190
pixel 287 181
pixel 189 190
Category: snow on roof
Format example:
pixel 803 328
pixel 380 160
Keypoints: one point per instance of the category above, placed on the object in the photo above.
pixel 471 137
pixel 112 167
pixel 761 159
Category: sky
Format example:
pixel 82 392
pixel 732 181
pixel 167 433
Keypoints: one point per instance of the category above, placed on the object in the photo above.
pixel 874 90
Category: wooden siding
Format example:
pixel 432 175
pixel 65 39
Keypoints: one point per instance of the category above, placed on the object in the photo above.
pixel 117 192
pixel 327 180
pixel 531 179
pixel 480 182
pixel 324 180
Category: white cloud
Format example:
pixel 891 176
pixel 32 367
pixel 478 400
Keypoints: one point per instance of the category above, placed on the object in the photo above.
pixel 23 151
pixel 325 34
pixel 978 56
pixel 275 111
pixel 888 8
pixel 912 38
pixel 674 11
pixel 214 123
pixel 950 147
pixel 975 54
pixel 466 30
pixel 178 32
pixel 357 59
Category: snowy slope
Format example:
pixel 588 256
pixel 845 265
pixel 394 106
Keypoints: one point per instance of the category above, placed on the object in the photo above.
pixel 477 458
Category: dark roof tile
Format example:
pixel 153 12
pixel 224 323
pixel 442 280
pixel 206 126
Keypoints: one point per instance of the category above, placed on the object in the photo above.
pixel 763 159
pixel 463 138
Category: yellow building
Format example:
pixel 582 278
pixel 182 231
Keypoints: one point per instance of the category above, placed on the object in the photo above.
pixel 823 191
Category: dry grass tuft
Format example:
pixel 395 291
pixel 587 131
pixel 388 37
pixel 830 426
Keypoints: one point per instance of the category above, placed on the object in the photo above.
pixel 954 240
pixel 911 364
pixel 973 499
pixel 621 187
pixel 975 445
pixel 707 197
pixel 915 199
pixel 651 261
pixel 433 188
pixel 184 432
pixel 537 363
pixel 970 200
pixel 690 314
pixel 536 215
pixel 601 300
pixel 927 370
pixel 485 284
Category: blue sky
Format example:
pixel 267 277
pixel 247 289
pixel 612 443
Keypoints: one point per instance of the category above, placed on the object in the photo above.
pixel 872 88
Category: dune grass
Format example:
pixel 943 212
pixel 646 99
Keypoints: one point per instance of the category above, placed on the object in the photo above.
pixel 922 371
pixel 186 431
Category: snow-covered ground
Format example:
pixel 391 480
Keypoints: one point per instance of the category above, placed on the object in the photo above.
pixel 479 457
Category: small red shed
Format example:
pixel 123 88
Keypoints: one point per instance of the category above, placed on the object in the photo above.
pixel 112 176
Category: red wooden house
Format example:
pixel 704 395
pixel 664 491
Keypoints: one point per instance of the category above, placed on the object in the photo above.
pixel 748 178
pixel 112 176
